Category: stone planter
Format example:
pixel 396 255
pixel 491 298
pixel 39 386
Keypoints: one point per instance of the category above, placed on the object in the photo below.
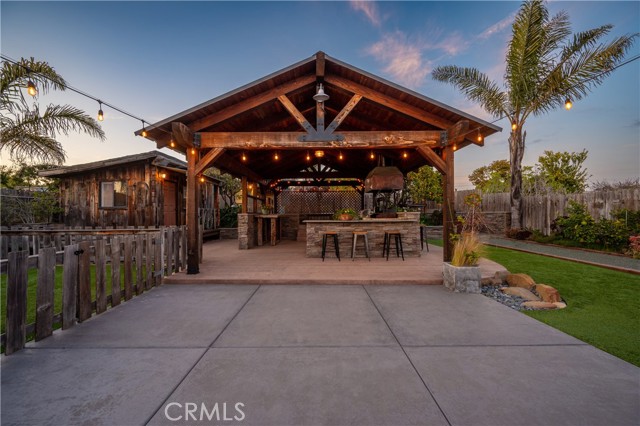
pixel 461 279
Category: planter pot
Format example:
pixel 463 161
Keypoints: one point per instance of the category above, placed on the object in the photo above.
pixel 345 217
pixel 461 279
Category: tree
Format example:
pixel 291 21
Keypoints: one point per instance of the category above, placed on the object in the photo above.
pixel 544 66
pixel 229 185
pixel 425 184
pixel 27 134
pixel 563 171
pixel 25 176
pixel 495 177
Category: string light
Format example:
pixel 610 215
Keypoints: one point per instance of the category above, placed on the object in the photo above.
pixel 405 155
pixel 31 87
pixel 340 156
pixel 163 175
pixel 568 104
pixel 144 131
pixel 100 113
pixel 479 138
pixel 202 179
pixel 193 151
pixel 172 144
pixel 372 156
pixel 276 156
pixel 308 156
pixel 514 126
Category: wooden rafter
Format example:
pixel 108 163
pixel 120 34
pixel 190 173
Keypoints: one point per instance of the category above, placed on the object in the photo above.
pixel 290 140
pixel 433 158
pixel 251 102
pixel 182 135
pixel 320 65
pixel 228 163
pixel 208 159
pixel 457 133
pixel 289 106
pixel 344 113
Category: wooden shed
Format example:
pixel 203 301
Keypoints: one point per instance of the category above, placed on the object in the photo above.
pixel 146 190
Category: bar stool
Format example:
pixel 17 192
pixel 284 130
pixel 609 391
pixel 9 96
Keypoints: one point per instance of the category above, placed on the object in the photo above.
pixel 336 245
pixel 423 237
pixel 387 243
pixel 356 234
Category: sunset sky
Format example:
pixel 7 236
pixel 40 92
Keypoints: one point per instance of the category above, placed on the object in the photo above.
pixel 155 59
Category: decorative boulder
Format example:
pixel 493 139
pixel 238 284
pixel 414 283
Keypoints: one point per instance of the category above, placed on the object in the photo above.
pixel 539 305
pixel 520 292
pixel 461 279
pixel 501 275
pixel 548 293
pixel 520 280
pixel 560 305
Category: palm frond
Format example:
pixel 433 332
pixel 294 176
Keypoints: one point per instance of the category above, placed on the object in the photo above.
pixel 26 146
pixel 475 85
pixel 66 119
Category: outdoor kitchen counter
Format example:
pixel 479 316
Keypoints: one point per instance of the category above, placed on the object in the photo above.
pixel 409 228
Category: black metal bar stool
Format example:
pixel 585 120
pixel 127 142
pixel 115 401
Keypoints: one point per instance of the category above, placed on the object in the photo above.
pixel 336 245
pixel 356 234
pixel 386 247
pixel 423 237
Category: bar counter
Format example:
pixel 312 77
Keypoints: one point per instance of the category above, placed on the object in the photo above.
pixel 409 228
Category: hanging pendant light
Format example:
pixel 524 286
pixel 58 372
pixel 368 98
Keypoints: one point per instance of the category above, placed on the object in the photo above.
pixel 31 88
pixel 568 104
pixel 100 113
pixel 320 96
pixel 144 133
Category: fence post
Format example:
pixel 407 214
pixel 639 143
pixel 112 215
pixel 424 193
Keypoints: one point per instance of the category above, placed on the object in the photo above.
pixel 101 276
pixel 115 271
pixel 45 291
pixel 69 286
pixel 16 301
pixel 84 280
pixel 157 261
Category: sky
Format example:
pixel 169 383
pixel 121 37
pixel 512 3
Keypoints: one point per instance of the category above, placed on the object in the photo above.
pixel 155 59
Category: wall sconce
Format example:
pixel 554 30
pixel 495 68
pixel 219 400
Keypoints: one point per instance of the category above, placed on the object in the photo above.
pixel 163 175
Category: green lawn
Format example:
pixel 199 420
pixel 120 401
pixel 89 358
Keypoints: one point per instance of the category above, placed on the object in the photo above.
pixel 603 306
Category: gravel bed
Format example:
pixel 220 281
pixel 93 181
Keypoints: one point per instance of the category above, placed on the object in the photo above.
pixel 514 302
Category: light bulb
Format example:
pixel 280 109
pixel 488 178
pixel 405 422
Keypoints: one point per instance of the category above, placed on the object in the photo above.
pixel 31 88
pixel 514 126
pixel 568 104
pixel 405 155
pixel 144 133
pixel 100 115
pixel 340 156
pixel 276 156
pixel 172 143
pixel 372 156
pixel 244 157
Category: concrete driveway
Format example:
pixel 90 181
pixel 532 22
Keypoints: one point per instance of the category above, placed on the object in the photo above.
pixel 311 355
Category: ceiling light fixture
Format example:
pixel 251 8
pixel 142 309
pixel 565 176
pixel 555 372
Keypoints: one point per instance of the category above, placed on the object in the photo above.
pixel 320 96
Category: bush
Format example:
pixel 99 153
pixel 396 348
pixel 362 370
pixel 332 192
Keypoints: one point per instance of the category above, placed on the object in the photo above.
pixel 433 219
pixel 229 217
pixel 518 234
pixel 611 234
pixel 630 218
pixel 578 225
pixel 634 246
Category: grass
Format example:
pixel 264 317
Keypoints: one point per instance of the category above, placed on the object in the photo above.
pixel 603 306
pixel 32 278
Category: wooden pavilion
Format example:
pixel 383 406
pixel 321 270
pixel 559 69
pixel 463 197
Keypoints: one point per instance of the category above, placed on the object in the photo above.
pixel 263 131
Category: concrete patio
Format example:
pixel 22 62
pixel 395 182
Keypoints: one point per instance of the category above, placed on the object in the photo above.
pixel 309 355
pixel 286 263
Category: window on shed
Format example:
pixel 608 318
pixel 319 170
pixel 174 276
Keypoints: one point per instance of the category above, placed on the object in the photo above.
pixel 113 194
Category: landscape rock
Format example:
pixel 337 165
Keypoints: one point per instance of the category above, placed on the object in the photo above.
pixel 520 292
pixel 486 281
pixel 501 275
pixel 520 280
pixel 560 305
pixel 539 305
pixel 496 282
pixel 547 293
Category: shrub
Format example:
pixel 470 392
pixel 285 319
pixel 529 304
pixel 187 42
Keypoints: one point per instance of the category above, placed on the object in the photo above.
pixel 518 234
pixel 467 249
pixel 229 217
pixel 578 225
pixel 611 234
pixel 630 219
pixel 634 246
pixel 433 219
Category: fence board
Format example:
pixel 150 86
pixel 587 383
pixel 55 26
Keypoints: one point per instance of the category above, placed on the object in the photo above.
pixel 168 246
pixel 148 255
pixel 184 248
pixel 101 276
pixel 157 261
pixel 139 262
pixel 84 281
pixel 16 301
pixel 128 290
pixel 115 271
pixel 176 250
pixel 69 286
pixel 45 292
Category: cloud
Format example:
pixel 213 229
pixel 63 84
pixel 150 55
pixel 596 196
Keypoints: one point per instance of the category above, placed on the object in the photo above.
pixel 370 10
pixel 404 59
pixel 498 27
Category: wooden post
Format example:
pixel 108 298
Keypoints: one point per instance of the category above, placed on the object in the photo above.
pixel 147 261
pixel 128 289
pixel 115 271
pixel 101 276
pixel 216 206
pixel 448 204
pixel 69 286
pixel 168 251
pixel 84 281
pixel 16 301
pixel 44 297
pixel 193 252
pixel 245 198
pixel 139 263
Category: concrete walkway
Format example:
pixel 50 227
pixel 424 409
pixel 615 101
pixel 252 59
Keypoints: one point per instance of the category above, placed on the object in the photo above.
pixel 610 261
pixel 316 355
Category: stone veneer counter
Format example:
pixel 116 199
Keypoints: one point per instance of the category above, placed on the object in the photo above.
pixel 410 230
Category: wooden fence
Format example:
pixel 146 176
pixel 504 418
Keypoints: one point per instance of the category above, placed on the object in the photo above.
pixel 539 211
pixel 144 256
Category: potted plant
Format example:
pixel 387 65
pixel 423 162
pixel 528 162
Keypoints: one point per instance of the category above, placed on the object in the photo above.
pixel 345 214
pixel 462 274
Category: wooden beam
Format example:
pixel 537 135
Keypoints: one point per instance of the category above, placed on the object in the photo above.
pixel 207 160
pixel 320 117
pixel 457 133
pixel 289 140
pixel 229 164
pixel 432 158
pixel 389 102
pixel 193 250
pixel 343 114
pixel 289 106
pixel 182 135
pixel 320 64
pixel 250 103
pixel 448 203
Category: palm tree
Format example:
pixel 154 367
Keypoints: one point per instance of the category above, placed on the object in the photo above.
pixel 27 134
pixel 545 65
